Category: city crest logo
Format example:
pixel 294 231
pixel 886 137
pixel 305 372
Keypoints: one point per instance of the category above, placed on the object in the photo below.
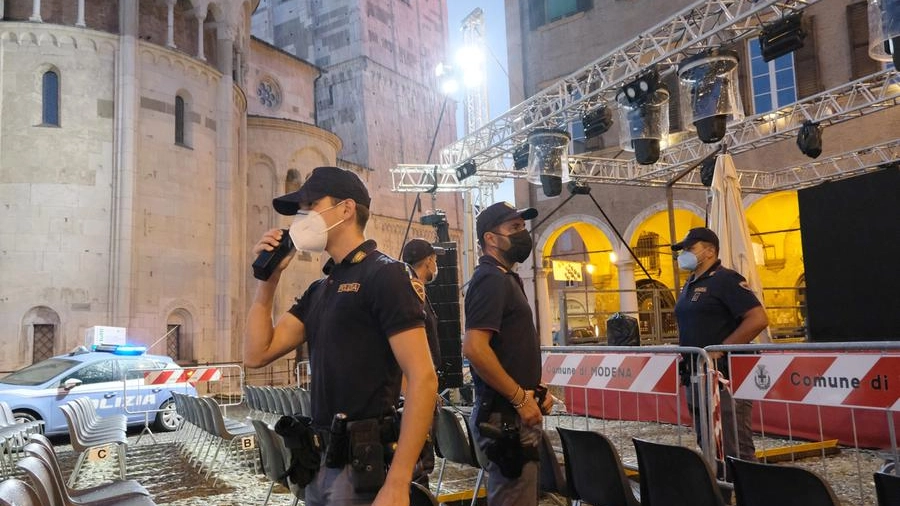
pixel 762 378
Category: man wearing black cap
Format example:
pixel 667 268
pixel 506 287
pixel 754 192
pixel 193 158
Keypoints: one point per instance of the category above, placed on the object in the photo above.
pixel 503 348
pixel 421 255
pixel 363 324
pixel 717 306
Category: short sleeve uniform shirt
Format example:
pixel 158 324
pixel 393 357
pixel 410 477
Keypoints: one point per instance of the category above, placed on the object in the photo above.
pixel 712 306
pixel 496 302
pixel 348 317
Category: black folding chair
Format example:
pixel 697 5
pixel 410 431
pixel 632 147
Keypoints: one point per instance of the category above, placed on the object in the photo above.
pixel 675 476
pixel 594 471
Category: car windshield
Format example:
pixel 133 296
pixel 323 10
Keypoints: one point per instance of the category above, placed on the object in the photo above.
pixel 40 372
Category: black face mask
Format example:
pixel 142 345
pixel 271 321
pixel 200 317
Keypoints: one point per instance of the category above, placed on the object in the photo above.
pixel 520 245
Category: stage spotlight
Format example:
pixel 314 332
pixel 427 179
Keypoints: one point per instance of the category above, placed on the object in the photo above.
pixel 809 139
pixel 548 159
pixel 578 188
pixel 465 170
pixel 884 31
pixel 707 170
pixel 520 157
pixel 781 37
pixel 644 117
pixel 596 122
pixel 710 79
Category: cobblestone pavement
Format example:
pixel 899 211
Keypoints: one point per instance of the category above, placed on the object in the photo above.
pixel 159 466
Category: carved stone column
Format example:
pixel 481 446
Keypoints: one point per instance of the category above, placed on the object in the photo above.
pixel 80 21
pixel 170 23
pixel 35 11
pixel 201 18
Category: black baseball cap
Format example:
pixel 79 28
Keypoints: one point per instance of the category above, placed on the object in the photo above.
pixel 324 182
pixel 495 214
pixel 694 235
pixel 419 249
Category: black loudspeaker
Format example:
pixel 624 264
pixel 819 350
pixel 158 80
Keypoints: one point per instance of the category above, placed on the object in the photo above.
pixel 850 248
pixel 444 296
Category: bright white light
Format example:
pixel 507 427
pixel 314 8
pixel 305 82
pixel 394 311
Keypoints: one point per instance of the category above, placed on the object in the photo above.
pixel 469 57
pixel 449 86
pixel 590 268
pixel 472 78
pixel 613 258
pixel 440 70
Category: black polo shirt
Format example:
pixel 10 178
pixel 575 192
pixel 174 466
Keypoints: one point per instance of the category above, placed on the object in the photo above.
pixel 348 317
pixel 431 323
pixel 712 306
pixel 496 302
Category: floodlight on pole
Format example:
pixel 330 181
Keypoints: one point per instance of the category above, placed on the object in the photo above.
pixel 884 31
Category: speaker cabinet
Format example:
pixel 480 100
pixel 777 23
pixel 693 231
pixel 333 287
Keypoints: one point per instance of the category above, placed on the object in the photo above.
pixel 444 296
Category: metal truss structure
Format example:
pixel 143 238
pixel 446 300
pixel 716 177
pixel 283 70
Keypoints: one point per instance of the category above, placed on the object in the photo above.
pixel 703 24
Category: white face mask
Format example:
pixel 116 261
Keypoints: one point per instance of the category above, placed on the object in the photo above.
pixel 309 232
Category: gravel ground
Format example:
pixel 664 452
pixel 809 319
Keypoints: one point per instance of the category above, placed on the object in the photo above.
pixel 160 467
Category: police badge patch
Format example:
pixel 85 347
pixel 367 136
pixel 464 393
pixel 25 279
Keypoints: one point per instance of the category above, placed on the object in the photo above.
pixel 419 288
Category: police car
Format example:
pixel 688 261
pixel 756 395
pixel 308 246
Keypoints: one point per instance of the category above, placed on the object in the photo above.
pixel 111 376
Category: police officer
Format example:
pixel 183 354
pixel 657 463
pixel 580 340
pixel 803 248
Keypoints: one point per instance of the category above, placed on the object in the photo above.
pixel 363 323
pixel 421 255
pixel 503 348
pixel 717 306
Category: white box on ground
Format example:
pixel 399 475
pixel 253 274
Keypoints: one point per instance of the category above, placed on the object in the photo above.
pixel 99 334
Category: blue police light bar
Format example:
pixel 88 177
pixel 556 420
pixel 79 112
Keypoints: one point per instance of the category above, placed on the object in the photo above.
pixel 121 349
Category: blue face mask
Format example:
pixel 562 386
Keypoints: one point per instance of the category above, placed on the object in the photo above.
pixel 687 260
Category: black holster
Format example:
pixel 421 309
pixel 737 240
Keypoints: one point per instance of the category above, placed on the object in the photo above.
pixel 304 447
pixel 498 421
pixel 368 467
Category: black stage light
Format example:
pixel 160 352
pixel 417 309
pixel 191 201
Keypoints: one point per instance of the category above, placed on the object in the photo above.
pixel 809 139
pixel 465 170
pixel 579 188
pixel 644 116
pixel 782 36
pixel 710 79
pixel 597 122
pixel 548 159
pixel 520 157
pixel 707 170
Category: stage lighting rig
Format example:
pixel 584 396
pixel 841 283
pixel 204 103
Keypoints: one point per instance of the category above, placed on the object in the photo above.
pixel 597 121
pixel 710 80
pixel 809 139
pixel 644 116
pixel 781 36
pixel 520 157
pixel 884 31
pixel 466 170
pixel 548 159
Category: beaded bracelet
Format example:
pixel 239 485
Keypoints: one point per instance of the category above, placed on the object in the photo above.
pixel 515 395
pixel 523 403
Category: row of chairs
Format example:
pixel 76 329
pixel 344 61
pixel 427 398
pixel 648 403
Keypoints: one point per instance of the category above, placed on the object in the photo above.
pixel 13 435
pixel 678 476
pixel 204 428
pixel 87 431
pixel 268 403
pixel 48 486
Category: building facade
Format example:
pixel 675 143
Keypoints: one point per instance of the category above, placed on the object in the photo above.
pixel 141 144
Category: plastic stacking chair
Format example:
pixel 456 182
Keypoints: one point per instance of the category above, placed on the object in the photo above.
pixel 455 446
pixel 594 470
pixel 50 494
pixel 15 492
pixel 675 476
pixel 421 496
pixel 758 484
pixel 274 461
pixel 887 488
pixel 41 448
pixel 83 440
pixel 552 479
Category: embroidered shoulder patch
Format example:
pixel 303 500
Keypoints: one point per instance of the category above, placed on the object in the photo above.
pixel 418 287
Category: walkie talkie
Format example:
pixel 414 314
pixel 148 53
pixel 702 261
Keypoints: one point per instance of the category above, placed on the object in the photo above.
pixel 267 261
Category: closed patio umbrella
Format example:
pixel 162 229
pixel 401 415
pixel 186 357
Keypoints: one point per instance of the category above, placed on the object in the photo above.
pixel 727 220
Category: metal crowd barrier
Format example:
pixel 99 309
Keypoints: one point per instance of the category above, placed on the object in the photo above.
pixel 223 381
pixel 849 392
pixel 820 392
pixel 303 374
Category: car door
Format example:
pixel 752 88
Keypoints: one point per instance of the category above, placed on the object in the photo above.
pixel 96 381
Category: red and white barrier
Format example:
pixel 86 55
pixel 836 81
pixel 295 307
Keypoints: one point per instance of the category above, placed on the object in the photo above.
pixel 192 376
pixel 644 373
pixel 845 380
